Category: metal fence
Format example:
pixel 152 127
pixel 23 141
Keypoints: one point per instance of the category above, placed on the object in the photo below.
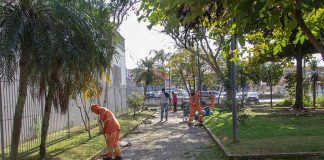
pixel 60 124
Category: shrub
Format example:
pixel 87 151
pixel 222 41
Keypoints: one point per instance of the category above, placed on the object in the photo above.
pixel 243 117
pixel 307 102
pixel 287 102
pixel 135 101
pixel 320 101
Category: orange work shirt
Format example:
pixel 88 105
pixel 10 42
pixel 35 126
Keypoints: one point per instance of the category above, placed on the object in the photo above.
pixel 109 120
pixel 194 100
pixel 211 99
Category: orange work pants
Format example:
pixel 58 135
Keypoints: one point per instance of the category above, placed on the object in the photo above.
pixel 193 109
pixel 113 147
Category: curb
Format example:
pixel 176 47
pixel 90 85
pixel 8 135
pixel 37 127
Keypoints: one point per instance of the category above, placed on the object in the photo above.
pixel 97 155
pixel 261 156
pixel 220 144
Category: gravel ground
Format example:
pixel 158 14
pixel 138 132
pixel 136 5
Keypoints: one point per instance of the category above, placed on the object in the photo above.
pixel 168 140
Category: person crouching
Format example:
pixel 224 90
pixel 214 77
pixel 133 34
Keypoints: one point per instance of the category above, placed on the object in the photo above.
pixel 111 129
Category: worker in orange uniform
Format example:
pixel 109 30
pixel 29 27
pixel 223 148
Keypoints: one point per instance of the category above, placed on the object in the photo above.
pixel 111 130
pixel 211 101
pixel 194 106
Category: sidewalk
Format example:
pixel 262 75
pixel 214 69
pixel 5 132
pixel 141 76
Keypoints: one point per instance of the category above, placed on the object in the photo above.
pixel 168 140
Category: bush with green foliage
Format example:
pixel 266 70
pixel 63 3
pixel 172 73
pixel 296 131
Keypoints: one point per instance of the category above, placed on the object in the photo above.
pixel 243 117
pixel 320 101
pixel 135 101
pixel 287 102
pixel 307 102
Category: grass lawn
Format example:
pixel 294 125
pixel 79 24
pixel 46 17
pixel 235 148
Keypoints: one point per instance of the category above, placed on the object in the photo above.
pixel 267 133
pixel 81 147
pixel 211 151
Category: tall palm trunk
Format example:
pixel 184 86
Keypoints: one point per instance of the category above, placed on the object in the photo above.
pixel 145 90
pixel 19 110
pixel 45 122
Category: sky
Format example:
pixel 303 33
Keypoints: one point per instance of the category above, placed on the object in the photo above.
pixel 139 40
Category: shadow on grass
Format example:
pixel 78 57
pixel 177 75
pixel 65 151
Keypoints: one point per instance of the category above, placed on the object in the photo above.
pixel 54 153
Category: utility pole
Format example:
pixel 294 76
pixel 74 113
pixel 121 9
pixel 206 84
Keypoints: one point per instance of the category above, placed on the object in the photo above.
pixel 233 88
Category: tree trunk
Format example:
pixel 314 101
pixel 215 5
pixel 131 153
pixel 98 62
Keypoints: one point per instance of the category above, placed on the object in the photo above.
pixel 314 93
pixel 233 90
pixel 271 94
pixel 88 121
pixel 228 86
pixel 45 122
pixel 220 91
pixel 299 83
pixel 145 90
pixel 242 99
pixel 82 118
pixel 242 87
pixel 185 83
pixel 19 110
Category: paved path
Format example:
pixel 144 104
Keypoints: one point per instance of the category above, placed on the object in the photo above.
pixel 166 140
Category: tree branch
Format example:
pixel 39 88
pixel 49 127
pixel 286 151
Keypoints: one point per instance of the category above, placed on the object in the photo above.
pixel 307 32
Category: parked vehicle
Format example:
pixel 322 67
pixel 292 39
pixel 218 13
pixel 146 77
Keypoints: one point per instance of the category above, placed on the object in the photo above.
pixel 222 95
pixel 239 95
pixel 252 97
pixel 182 97
pixel 150 95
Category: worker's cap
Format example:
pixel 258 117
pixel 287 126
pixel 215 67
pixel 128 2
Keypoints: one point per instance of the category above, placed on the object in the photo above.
pixel 95 108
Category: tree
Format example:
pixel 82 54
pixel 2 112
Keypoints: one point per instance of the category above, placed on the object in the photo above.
pixel 160 57
pixel 78 58
pixel 146 73
pixel 184 65
pixel 242 79
pixel 20 22
pixel 118 9
pixel 250 17
pixel 64 52
pixel 271 74
pixel 265 49
pixel 313 65
pixel 134 102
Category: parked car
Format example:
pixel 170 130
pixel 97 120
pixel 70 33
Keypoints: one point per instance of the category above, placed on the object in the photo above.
pixel 239 95
pixel 222 95
pixel 182 97
pixel 252 97
pixel 150 95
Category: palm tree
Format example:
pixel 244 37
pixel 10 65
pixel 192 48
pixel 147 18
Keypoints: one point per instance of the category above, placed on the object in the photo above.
pixel 20 22
pixel 146 74
pixel 56 48
pixel 75 62
pixel 313 65
pixel 160 57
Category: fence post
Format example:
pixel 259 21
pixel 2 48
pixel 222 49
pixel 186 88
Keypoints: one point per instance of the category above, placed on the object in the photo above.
pixel 1 125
